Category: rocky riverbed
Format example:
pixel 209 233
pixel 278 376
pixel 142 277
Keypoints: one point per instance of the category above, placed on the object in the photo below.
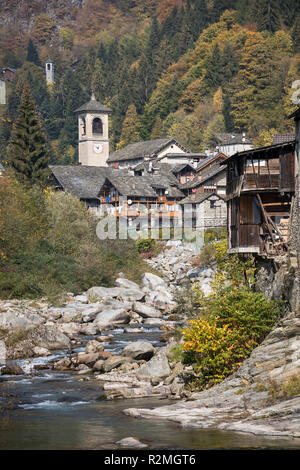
pixel 82 327
pixel 79 337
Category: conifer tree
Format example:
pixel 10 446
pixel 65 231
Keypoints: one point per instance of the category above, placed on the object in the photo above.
pixel 157 129
pixel 32 54
pixel 130 128
pixel 296 35
pixel 28 144
pixel 214 74
pixel 228 120
pixel 267 14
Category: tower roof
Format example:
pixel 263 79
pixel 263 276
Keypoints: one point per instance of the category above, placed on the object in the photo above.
pixel 93 106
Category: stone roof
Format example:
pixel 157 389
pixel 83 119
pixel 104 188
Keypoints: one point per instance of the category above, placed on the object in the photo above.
pixel 84 182
pixel 143 186
pixel 281 138
pixel 196 182
pixel 271 151
pixel 198 198
pixel 93 106
pixel 146 148
pixel 232 138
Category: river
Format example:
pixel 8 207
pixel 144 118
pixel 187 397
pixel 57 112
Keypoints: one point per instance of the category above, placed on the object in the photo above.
pixel 46 409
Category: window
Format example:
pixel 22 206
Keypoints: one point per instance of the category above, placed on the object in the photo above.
pixel 97 126
pixel 83 126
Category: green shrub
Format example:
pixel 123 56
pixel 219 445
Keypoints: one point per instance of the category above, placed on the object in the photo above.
pixel 233 322
pixel 144 245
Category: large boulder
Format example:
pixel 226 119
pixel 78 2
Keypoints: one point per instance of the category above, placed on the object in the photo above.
pixel 15 320
pixel 157 368
pixel 112 317
pixel 71 329
pixel 126 284
pixel 152 282
pixel 161 300
pixel 49 337
pixel 70 316
pixel 139 350
pixel 90 313
pixel 90 358
pixel 146 311
pixel 104 293
pixel 94 346
pixel 114 362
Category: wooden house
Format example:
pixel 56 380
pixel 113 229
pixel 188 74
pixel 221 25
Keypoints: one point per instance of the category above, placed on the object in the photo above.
pixel 260 188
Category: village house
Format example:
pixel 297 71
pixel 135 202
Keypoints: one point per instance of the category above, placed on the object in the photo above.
pixel 260 189
pixel 210 177
pixel 8 73
pixel 231 143
pixel 207 210
pixel 168 150
pixel 144 181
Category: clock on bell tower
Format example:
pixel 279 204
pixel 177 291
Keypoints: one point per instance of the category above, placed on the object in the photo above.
pixel 93 139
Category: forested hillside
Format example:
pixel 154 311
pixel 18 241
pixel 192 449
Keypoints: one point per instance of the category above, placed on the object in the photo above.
pixel 182 68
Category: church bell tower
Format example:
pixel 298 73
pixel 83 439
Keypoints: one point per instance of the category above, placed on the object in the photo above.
pixel 93 139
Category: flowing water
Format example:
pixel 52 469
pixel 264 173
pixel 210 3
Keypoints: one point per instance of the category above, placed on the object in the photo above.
pixel 47 409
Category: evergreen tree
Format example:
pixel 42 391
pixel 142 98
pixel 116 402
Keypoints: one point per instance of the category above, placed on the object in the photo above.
pixel 214 71
pixel 200 18
pixel 32 54
pixel 267 14
pixel 229 62
pixel 228 120
pixel 130 128
pixel 28 144
pixel 296 35
pixel 157 129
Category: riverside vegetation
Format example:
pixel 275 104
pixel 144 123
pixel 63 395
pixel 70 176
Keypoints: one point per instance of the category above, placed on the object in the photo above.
pixel 229 323
pixel 48 245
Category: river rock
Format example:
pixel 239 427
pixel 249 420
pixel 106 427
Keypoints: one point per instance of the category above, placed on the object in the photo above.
pixel 158 367
pixel 12 370
pixel 152 282
pixel 126 284
pixel 94 346
pixel 48 337
pixel 114 362
pixel 161 300
pixel 99 365
pixel 89 329
pixel 83 299
pixel 139 350
pixel 63 364
pixel 15 320
pixel 112 317
pixel 90 313
pixel 71 329
pixel 104 293
pixel 105 339
pixel 89 358
pixel 146 311
pixel 38 351
pixel 131 442
pixel 3 352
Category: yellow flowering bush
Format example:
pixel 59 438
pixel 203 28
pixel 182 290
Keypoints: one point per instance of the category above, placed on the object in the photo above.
pixel 232 322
